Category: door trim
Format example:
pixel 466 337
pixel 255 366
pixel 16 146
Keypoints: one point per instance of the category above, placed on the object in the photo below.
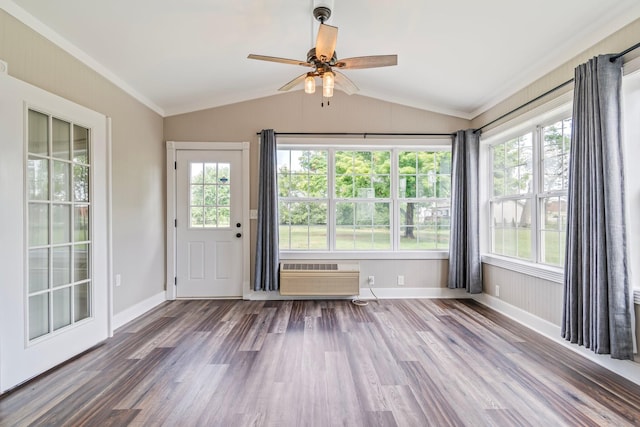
pixel 172 148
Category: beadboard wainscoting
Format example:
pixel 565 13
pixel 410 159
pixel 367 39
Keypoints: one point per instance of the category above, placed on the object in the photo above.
pixel 539 297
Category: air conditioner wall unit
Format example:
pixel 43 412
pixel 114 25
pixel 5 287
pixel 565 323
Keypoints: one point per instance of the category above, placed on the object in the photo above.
pixel 319 279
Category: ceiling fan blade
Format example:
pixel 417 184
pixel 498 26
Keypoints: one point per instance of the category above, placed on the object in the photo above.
pixel 293 83
pixel 280 60
pixel 345 84
pixel 326 41
pixel 367 62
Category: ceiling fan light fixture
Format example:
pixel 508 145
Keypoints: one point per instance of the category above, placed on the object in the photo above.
pixel 309 84
pixel 328 83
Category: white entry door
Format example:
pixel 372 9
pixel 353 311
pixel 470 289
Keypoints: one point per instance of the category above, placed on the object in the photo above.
pixel 54 295
pixel 209 225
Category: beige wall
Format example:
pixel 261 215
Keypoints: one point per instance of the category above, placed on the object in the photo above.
pixel 138 154
pixel 299 112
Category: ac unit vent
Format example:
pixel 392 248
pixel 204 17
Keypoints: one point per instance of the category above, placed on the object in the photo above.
pixel 310 267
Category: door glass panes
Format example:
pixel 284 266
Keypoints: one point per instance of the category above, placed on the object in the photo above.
pixel 61 308
pixel 38 178
pixel 38 133
pixel 59 201
pixel 80 145
pixel 38 269
pixel 210 195
pixel 61 139
pixel 38 315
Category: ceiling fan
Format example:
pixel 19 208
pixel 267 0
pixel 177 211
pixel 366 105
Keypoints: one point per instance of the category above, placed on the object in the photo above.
pixel 324 62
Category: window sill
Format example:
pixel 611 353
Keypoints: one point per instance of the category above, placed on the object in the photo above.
pixel 364 255
pixel 552 274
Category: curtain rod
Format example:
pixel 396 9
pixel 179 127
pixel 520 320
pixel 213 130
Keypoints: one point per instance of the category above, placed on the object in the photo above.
pixel 362 134
pixel 561 85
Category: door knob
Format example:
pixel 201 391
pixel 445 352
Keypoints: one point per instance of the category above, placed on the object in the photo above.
pixel 238 235
pixel 238 225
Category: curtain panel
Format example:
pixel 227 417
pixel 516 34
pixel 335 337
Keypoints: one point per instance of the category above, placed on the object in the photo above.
pixel 267 251
pixel 465 270
pixel 596 307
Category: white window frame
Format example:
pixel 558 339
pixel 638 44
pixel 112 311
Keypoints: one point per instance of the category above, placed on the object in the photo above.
pixel 533 120
pixel 334 144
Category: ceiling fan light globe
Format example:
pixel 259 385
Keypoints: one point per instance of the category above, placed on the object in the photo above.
pixel 328 80
pixel 309 84
pixel 327 91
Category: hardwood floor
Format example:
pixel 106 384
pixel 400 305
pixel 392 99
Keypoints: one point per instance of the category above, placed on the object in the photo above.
pixel 325 363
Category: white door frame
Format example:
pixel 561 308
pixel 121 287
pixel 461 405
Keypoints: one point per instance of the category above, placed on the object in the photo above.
pixel 172 148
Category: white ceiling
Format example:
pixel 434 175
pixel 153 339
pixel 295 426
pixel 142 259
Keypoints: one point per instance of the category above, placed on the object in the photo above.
pixel 458 57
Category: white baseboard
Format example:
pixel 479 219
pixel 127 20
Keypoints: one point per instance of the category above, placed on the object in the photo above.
pixel 628 369
pixel 369 293
pixel 399 293
pixel 127 315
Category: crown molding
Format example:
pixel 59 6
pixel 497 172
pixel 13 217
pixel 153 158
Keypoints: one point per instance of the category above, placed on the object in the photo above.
pixel 47 32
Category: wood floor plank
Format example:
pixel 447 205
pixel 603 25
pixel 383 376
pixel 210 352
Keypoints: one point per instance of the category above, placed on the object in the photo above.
pixel 325 363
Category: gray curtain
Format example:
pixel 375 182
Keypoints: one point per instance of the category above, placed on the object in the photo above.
pixel 267 251
pixel 596 290
pixel 464 246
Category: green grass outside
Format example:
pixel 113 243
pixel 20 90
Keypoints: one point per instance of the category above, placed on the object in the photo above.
pixel 516 242
pixel 310 238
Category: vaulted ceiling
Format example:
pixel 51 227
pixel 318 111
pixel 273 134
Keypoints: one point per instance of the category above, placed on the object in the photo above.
pixel 458 57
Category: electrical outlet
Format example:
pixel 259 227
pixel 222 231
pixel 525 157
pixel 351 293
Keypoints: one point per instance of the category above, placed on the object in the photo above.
pixel 118 280
pixel 371 280
pixel 497 291
pixel 400 280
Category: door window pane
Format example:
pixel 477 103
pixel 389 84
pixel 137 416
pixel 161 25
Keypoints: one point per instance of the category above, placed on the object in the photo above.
pixel 61 308
pixel 38 224
pixel 81 223
pixel 38 133
pixel 38 315
pixel 80 144
pixel 61 226
pixel 61 181
pixel 80 183
pixel 38 269
pixel 61 139
pixel 81 301
pixel 80 262
pixel 61 265
pixel 38 178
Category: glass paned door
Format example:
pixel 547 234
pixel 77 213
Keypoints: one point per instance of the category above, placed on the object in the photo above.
pixel 59 283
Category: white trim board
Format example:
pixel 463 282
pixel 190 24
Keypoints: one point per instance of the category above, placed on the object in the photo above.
pixel 368 294
pixel 127 315
pixel 625 368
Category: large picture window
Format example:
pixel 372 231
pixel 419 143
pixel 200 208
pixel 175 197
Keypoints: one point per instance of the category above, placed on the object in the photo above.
pixel 364 199
pixel 529 194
